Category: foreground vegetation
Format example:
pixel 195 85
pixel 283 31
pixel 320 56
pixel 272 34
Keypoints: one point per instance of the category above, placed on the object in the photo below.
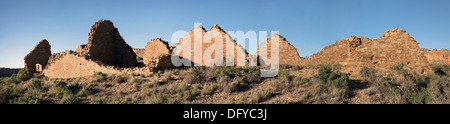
pixel 323 84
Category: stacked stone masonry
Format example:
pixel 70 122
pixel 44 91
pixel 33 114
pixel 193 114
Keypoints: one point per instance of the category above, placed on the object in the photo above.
pixel 107 52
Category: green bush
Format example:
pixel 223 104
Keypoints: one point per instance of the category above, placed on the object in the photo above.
pixel 61 84
pixel 35 84
pixel 8 93
pixel 336 79
pixel 302 81
pixel 441 70
pixel 226 70
pixel 237 85
pixel 283 74
pixel 368 74
pixel 100 76
pixel 27 99
pixel 66 90
pixel 174 71
pixel 398 66
pixel 70 99
pixel 22 75
pixel 261 95
pixel 333 81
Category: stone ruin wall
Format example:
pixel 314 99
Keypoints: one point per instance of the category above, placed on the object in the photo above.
pixel 39 55
pixel 70 64
pixel 288 54
pixel 139 52
pixel 238 50
pixel 336 53
pixel 154 49
pixel 106 45
pixel 393 47
pixel 437 56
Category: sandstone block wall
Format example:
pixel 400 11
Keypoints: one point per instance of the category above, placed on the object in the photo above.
pixel 393 47
pixel 70 64
pixel 106 45
pixel 156 47
pixel 39 55
pixel 287 53
pixel 227 43
pixel 139 52
pixel 437 56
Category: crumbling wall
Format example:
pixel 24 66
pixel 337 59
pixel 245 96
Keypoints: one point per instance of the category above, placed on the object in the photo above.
pixel 393 47
pixel 106 45
pixel 288 54
pixel 39 55
pixel 156 47
pixel 437 56
pixel 227 43
pixel 70 64
pixel 336 53
pixel 139 52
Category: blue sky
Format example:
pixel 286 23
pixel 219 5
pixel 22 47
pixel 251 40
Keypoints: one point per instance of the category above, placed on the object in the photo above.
pixel 308 25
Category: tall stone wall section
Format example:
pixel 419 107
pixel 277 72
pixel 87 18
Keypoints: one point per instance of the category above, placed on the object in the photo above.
pixel 156 47
pixel 288 54
pixel 106 45
pixel 227 43
pixel 437 56
pixel 39 55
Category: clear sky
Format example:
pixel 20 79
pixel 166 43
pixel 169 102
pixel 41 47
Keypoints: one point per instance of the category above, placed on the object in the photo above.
pixel 308 25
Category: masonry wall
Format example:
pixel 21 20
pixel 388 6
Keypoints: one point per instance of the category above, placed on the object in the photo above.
pixel 70 65
pixel 437 56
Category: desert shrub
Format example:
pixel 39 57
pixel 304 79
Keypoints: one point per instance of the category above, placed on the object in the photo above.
pixel 138 58
pixel 22 75
pixel 398 66
pixel 261 95
pixel 368 74
pixel 208 89
pixel 441 70
pixel 169 77
pixel 280 85
pixel 237 85
pixel 439 91
pixel 27 99
pixel 66 90
pixel 335 83
pixel 8 93
pixel 253 77
pixel 61 84
pixel 120 79
pixel 194 75
pixel 100 76
pixel 136 82
pixel 285 66
pixel 250 70
pixel 301 80
pixel 226 70
pixel 35 84
pixel 278 101
pixel 70 99
pixel 174 71
pixel 283 74
pixel 297 67
pixel 73 88
pixel 336 79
